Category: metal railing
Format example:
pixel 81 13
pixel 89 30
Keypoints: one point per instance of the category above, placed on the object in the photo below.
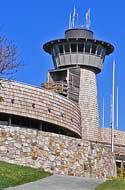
pixel 58 86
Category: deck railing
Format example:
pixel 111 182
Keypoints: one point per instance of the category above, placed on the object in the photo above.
pixel 58 86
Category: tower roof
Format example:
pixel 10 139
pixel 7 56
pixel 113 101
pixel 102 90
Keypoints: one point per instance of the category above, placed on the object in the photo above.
pixel 78 35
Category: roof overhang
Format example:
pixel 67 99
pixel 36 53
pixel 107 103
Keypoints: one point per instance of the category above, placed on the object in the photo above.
pixel 48 46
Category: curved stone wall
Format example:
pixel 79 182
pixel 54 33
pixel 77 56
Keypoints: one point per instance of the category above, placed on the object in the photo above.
pixel 28 101
pixel 55 153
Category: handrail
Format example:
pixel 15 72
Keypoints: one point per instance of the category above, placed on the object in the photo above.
pixel 57 86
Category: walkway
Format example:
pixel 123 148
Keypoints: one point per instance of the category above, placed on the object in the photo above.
pixel 60 182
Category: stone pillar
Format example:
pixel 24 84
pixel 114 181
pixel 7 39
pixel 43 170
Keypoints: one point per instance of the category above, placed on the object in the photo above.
pixel 41 127
pixel 88 104
pixel 9 120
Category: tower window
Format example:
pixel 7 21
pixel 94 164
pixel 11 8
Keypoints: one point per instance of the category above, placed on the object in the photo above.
pixel 61 49
pixel 73 48
pixel 94 48
pixel 87 47
pixel 103 53
pixel 80 47
pixel 53 52
pixel 99 50
pixel 67 48
pixel 56 51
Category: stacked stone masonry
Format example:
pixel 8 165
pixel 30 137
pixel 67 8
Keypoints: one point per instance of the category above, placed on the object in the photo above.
pixel 55 153
pixel 89 105
pixel 119 137
pixel 89 156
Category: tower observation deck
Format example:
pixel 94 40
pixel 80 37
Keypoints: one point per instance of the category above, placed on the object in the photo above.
pixel 78 48
pixel 77 59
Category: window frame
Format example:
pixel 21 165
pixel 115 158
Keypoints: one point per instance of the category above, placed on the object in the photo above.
pixel 87 43
pixel 81 48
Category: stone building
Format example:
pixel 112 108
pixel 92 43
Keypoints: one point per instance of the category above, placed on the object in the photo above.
pixel 56 127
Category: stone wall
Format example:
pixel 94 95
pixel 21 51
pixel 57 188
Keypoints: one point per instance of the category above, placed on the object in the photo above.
pixel 89 105
pixel 105 136
pixel 55 153
pixel 38 103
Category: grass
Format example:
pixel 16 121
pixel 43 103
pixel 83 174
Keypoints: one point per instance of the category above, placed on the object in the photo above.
pixel 13 175
pixel 115 184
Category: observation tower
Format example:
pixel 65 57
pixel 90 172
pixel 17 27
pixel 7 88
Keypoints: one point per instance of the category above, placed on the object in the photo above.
pixel 77 58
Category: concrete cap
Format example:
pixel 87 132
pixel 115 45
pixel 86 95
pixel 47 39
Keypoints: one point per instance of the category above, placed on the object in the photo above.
pixel 78 33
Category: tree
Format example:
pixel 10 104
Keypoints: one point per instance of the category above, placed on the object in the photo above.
pixel 8 61
pixel 8 57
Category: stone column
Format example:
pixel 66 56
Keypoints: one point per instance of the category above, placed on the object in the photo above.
pixel 9 120
pixel 41 128
pixel 89 104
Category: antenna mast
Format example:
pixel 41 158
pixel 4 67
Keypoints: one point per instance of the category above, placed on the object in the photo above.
pixel 88 20
pixel 70 20
pixel 113 93
pixel 117 120
pixel 103 114
pixel 77 19
pixel 73 17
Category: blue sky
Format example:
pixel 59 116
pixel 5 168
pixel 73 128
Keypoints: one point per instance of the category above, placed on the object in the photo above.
pixel 31 23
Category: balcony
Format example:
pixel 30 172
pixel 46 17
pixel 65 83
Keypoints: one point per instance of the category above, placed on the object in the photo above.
pixel 58 86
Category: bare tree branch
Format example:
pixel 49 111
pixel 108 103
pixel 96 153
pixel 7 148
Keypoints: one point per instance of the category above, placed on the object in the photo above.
pixel 8 57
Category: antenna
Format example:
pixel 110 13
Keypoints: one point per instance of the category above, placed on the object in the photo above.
pixel 88 21
pixel 73 17
pixel 77 23
pixel 117 118
pixel 113 93
pixel 110 110
pixel 103 114
pixel 70 20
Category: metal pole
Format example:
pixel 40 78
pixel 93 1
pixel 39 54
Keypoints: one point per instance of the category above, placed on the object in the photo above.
pixel 117 109
pixel 103 114
pixel 113 93
pixel 110 110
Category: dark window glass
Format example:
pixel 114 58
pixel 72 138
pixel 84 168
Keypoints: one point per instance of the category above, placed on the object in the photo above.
pixel 87 47
pixel 4 117
pixel 80 47
pixel 25 122
pixel 56 51
pixel 103 53
pixel 60 48
pixel 73 48
pixel 118 164
pixel 94 48
pixel 53 52
pixel 15 120
pixel 34 124
pixel 99 50
pixel 67 48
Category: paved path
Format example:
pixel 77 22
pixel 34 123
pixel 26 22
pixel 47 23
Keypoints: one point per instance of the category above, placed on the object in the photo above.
pixel 61 182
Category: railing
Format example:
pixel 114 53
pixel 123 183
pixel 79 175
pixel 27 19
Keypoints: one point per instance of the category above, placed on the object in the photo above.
pixel 58 86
